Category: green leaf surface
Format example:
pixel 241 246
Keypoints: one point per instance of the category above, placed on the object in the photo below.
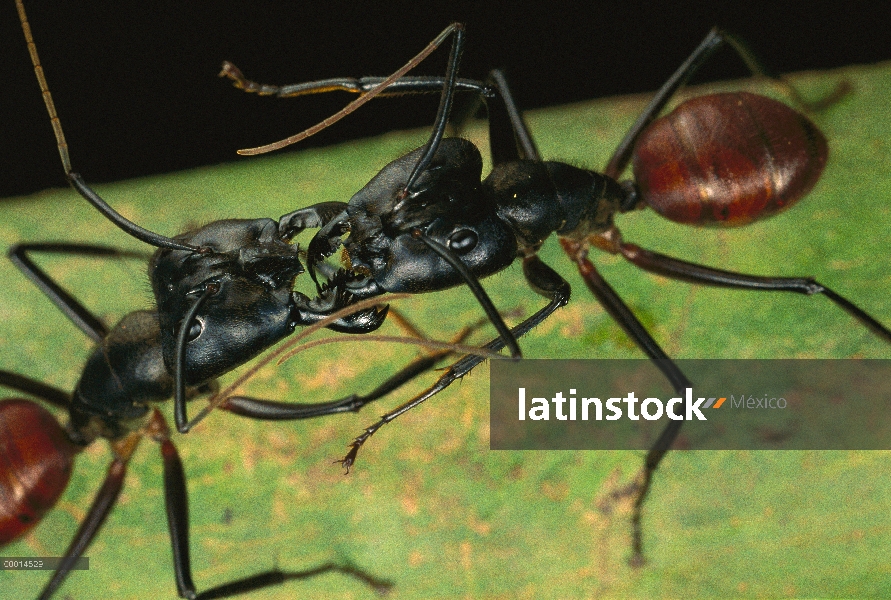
pixel 428 505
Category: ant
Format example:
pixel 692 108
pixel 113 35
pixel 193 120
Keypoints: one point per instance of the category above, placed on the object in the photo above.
pixel 224 294
pixel 428 214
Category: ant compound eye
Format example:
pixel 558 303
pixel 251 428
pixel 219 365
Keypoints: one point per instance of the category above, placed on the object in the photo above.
pixel 195 329
pixel 463 241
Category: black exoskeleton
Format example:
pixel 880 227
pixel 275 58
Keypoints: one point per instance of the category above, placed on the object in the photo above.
pixel 487 223
pixel 254 305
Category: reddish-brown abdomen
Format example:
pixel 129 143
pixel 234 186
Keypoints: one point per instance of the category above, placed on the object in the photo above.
pixel 36 459
pixel 728 159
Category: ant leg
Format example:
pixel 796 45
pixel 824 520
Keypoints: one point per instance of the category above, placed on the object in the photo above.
pixel 177 504
pixel 623 315
pixel 509 136
pixel 269 410
pixel 622 154
pixel 357 85
pixel 503 115
pixel 48 393
pixel 506 117
pixel 620 312
pixel 378 86
pixel 525 148
pixel 105 499
pixel 667 266
pixel 278 411
pixel 685 271
pixel 278 577
pixel 65 302
pixel 541 278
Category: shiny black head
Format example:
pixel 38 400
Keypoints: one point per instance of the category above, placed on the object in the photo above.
pixel 251 271
pixel 446 204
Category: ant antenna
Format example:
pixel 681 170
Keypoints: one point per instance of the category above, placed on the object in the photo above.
pixel 454 27
pixel 76 181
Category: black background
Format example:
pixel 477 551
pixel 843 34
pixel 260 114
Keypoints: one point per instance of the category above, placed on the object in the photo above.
pixel 136 88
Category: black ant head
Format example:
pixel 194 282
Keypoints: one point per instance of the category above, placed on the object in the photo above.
pixel 387 224
pixel 247 272
pixel 449 185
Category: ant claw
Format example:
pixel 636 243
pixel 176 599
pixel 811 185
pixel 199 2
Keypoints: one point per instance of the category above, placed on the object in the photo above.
pixel 350 459
pixel 346 463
